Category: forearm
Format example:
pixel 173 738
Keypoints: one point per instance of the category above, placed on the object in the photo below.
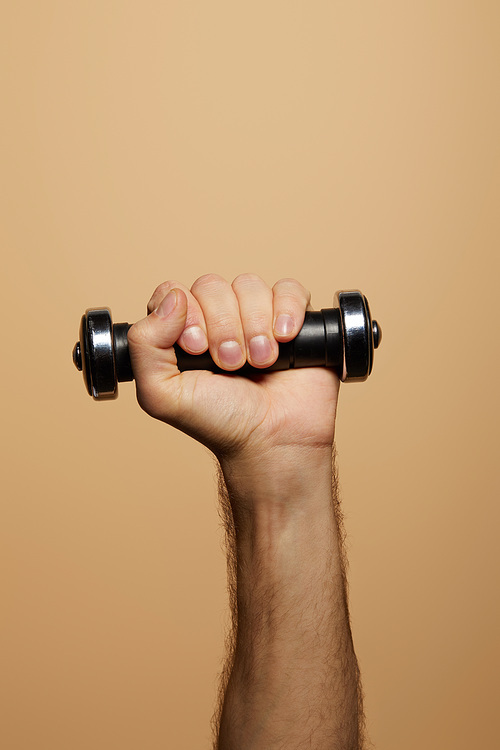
pixel 294 678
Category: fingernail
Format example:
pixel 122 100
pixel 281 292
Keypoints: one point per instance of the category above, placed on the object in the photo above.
pixel 283 325
pixel 260 350
pixel 194 339
pixel 167 305
pixel 230 353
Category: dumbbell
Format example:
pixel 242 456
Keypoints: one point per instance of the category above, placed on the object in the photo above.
pixel 342 337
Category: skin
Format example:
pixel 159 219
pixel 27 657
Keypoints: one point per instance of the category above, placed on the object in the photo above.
pixel 291 678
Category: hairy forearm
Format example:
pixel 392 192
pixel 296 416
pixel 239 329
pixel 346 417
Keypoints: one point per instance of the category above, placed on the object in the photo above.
pixel 292 679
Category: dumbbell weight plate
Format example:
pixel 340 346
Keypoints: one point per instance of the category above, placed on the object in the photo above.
pixel 94 354
pixel 361 335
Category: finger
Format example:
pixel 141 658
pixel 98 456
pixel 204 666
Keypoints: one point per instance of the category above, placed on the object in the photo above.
pixel 193 338
pixel 222 317
pixel 290 302
pixel 152 338
pixel 255 300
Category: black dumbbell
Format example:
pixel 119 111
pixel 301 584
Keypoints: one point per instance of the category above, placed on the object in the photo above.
pixel 343 338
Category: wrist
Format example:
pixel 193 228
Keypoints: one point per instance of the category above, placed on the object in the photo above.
pixel 284 520
pixel 279 485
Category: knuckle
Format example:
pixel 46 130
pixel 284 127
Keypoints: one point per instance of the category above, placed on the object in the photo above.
pixel 292 290
pixel 208 281
pixel 287 284
pixel 137 335
pixel 257 324
pixel 222 324
pixel 246 279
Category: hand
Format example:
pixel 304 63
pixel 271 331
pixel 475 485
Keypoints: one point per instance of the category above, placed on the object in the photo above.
pixel 234 416
pixel 273 434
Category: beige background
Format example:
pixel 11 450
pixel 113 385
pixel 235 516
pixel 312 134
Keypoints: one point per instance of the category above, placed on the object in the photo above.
pixel 346 144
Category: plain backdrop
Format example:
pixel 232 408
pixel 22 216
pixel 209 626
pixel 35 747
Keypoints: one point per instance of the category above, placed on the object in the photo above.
pixel 349 145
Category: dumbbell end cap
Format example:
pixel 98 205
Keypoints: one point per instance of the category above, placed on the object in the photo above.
pixel 377 334
pixel 77 356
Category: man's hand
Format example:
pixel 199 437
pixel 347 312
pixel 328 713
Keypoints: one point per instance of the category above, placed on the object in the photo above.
pixel 291 676
pixel 238 322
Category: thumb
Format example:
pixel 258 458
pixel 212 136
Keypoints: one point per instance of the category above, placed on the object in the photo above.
pixel 151 339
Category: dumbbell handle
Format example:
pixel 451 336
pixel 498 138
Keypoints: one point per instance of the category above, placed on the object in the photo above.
pixel 342 338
